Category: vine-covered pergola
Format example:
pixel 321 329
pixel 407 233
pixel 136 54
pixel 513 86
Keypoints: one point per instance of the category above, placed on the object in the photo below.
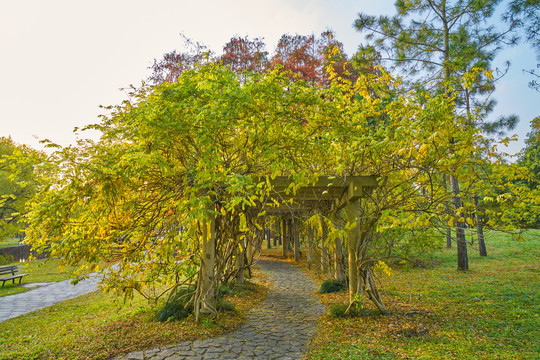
pixel 327 195
pixel 185 173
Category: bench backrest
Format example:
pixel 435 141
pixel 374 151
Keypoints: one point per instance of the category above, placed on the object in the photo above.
pixel 8 269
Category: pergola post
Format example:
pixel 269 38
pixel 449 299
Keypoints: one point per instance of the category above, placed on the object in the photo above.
pixel 309 246
pixel 339 258
pixel 250 248
pixel 353 215
pixel 240 275
pixel 290 236
pixel 284 236
pixel 324 246
pixel 266 233
pixel 296 240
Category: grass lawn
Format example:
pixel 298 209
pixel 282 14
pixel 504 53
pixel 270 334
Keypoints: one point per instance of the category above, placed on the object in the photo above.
pixel 9 242
pixel 39 271
pixel 101 326
pixel 490 312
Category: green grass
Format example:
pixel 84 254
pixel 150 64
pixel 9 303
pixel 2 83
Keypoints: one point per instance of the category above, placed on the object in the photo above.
pixel 39 271
pixel 489 312
pixel 9 242
pixel 102 326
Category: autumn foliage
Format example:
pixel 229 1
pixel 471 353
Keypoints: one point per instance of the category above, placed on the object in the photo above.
pixel 184 168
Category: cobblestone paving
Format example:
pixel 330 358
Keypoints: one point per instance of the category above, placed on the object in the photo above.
pixel 46 295
pixel 281 328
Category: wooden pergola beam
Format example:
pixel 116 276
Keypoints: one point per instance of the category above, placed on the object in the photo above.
pixel 337 192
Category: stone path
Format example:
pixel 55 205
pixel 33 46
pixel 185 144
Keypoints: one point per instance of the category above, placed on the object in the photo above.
pixel 49 294
pixel 281 328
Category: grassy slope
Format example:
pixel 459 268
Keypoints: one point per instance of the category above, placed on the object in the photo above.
pixel 490 312
pixel 101 326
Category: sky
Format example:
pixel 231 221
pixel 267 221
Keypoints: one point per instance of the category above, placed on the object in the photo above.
pixel 61 59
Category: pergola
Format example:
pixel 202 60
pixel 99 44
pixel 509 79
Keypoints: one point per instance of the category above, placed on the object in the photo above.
pixel 329 194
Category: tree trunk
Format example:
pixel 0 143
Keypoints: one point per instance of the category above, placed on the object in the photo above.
pixel 250 249
pixel 340 271
pixel 268 239
pixel 480 228
pixel 463 260
pixel 205 300
pixel 447 209
pixel 265 235
pixel 240 265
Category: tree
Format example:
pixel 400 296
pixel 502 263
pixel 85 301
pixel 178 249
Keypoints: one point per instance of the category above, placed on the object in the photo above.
pixel 20 180
pixel 242 54
pixel 169 189
pixel 530 156
pixel 299 55
pixel 436 43
pixel 308 57
pixel 525 14
pixel 182 176
pixel 304 57
pixel 530 160
pixel 174 63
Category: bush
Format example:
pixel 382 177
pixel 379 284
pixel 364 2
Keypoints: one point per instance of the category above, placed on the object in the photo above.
pixel 338 311
pixel 223 290
pixel 175 308
pixel 224 305
pixel 330 286
pixel 6 260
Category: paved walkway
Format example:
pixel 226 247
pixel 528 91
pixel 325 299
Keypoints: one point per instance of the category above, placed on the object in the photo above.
pixel 281 328
pixel 46 295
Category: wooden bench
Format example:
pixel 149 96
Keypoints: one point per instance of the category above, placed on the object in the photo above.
pixel 10 270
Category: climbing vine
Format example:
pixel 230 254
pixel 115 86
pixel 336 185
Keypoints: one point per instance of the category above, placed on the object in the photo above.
pixel 177 188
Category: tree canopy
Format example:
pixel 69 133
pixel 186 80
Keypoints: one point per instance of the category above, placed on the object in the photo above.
pixel 182 177
pixel 20 180
pixel 434 43
pixel 202 150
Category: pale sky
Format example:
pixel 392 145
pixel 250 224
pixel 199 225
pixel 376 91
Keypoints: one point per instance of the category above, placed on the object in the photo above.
pixel 61 59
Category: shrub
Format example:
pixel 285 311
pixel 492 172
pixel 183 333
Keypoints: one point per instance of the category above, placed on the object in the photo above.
pixel 339 311
pixel 5 260
pixel 330 286
pixel 223 290
pixel 224 305
pixel 175 308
